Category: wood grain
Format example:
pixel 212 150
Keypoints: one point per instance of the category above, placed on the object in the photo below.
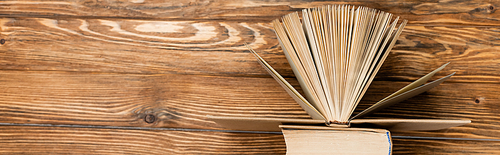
pixel 183 101
pixel 216 48
pixel 125 99
pixel 449 12
pixel 58 140
pixel 413 146
pixel 116 63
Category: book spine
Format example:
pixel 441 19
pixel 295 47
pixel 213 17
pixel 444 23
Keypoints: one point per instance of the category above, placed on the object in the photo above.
pixel 338 124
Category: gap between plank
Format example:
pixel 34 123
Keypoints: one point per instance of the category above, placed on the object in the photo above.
pixel 211 19
pixel 227 131
pixel 225 75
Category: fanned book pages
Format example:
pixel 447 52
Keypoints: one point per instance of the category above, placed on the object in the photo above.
pixel 335 51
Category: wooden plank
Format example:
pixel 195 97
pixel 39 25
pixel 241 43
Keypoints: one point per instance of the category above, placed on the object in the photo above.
pixel 134 46
pixel 216 48
pixel 126 99
pixel 447 101
pixel 476 12
pixel 183 101
pixel 414 146
pixel 58 140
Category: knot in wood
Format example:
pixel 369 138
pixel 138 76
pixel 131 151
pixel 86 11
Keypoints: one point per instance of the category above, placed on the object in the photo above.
pixel 479 100
pixel 149 118
pixel 2 41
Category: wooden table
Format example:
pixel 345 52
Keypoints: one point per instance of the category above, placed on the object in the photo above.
pixel 139 76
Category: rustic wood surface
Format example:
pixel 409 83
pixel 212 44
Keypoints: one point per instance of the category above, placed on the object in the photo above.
pixel 65 140
pixel 139 76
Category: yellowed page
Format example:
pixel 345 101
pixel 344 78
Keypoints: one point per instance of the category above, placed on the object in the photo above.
pixel 403 96
pixel 416 83
pixel 412 124
pixel 296 65
pixel 313 112
pixel 271 124
pixel 397 33
pixel 259 124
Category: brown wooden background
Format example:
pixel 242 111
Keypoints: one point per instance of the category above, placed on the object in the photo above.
pixel 139 76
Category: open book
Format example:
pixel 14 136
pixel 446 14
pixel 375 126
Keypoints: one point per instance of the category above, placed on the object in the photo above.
pixel 335 52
